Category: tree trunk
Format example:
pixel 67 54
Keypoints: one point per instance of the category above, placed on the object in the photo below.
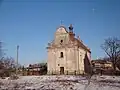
pixel 114 68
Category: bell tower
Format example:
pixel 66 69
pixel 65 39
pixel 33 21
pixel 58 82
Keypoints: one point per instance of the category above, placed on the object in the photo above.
pixel 71 33
pixel 71 28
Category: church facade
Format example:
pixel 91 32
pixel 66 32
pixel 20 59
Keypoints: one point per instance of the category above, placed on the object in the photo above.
pixel 67 54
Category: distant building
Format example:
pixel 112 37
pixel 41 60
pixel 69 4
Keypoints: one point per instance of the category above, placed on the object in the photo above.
pixel 35 69
pixel 102 67
pixel 101 64
pixel 67 54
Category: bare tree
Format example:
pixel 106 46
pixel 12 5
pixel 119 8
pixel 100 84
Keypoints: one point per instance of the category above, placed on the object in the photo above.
pixel 7 66
pixel 8 62
pixel 111 46
pixel 118 64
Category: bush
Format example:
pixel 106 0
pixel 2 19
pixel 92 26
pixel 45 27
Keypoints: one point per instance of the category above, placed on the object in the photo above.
pixel 13 77
pixel 117 73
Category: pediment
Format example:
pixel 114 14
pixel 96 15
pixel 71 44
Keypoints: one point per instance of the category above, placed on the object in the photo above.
pixel 61 30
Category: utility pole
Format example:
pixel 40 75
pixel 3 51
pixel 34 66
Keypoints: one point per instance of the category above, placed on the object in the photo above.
pixel 17 60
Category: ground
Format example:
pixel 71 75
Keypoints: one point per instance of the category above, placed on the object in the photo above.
pixel 61 82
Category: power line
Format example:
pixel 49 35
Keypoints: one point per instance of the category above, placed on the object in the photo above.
pixel 48 1
pixel 1 51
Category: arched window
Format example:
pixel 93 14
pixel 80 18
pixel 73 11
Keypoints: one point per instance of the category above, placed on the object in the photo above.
pixel 61 54
pixel 61 41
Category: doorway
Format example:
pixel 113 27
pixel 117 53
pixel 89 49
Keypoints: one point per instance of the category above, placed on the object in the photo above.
pixel 61 70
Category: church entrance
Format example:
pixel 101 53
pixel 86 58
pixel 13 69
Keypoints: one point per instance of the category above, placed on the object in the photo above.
pixel 61 70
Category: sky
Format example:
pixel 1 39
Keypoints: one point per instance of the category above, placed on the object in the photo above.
pixel 31 24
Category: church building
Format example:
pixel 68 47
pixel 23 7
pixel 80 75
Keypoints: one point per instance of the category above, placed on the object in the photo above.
pixel 67 54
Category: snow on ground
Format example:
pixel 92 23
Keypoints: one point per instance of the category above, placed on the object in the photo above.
pixel 61 82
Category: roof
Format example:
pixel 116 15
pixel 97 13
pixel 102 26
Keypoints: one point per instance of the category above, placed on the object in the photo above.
pixel 72 38
pixel 101 61
pixel 79 42
pixel 82 45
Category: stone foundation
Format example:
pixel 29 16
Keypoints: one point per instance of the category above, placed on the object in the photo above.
pixel 74 72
